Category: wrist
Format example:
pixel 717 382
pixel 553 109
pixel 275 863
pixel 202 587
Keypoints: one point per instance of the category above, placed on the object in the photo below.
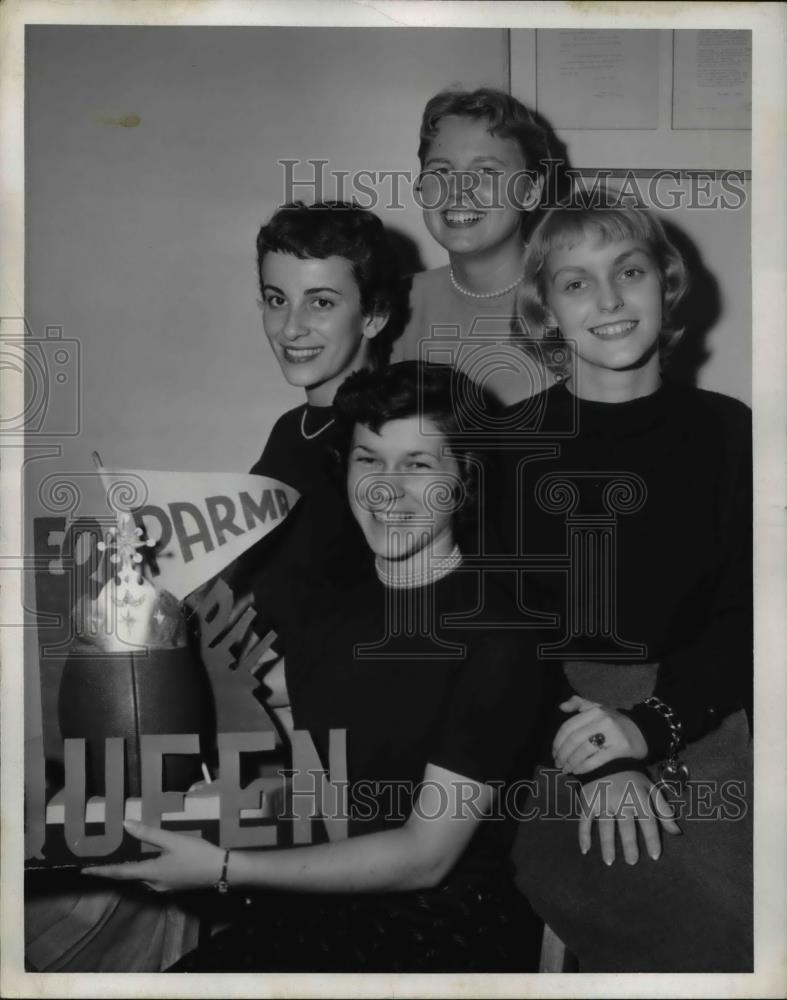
pixel 250 870
pixel 671 769
pixel 653 729
pixel 637 743
pixel 611 767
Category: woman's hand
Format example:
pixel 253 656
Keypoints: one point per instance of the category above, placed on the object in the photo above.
pixel 625 802
pixel 613 735
pixel 185 862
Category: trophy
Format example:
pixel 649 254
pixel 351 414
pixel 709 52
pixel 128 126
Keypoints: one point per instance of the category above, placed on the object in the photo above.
pixel 131 672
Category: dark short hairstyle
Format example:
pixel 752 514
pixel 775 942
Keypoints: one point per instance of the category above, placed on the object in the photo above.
pixel 341 229
pixel 565 226
pixel 439 393
pixel 506 116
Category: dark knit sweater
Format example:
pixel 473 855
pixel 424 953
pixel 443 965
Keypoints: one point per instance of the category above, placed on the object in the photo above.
pixel 681 557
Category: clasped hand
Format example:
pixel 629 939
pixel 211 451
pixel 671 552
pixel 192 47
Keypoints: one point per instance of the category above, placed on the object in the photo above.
pixel 185 862
pixel 623 803
pixel 572 748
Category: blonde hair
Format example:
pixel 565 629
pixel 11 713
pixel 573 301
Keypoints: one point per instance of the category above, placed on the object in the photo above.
pixel 565 226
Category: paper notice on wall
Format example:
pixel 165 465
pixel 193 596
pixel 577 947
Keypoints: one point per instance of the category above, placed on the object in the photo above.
pixel 598 79
pixel 712 85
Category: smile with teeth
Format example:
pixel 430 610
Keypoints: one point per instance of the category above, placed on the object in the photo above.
pixel 297 355
pixel 461 217
pixel 392 516
pixel 611 331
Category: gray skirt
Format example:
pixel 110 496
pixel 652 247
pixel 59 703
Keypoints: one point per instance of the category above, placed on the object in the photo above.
pixel 690 911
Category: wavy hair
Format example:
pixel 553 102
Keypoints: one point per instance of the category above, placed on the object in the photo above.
pixel 506 117
pixel 565 226
pixel 342 229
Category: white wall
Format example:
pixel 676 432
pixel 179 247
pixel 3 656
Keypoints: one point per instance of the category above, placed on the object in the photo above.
pixel 140 240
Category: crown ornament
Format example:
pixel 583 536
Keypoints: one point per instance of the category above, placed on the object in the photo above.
pixel 130 611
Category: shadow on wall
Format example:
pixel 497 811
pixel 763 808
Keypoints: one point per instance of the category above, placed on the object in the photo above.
pixel 560 181
pixel 409 262
pixel 698 314
pixel 406 251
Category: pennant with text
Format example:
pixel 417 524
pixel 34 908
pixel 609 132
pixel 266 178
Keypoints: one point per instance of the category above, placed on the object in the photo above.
pixel 200 521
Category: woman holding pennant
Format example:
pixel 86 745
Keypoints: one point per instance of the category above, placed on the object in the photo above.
pixel 437 712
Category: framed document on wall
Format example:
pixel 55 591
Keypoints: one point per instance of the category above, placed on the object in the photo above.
pixel 598 79
pixel 712 80
pixel 640 99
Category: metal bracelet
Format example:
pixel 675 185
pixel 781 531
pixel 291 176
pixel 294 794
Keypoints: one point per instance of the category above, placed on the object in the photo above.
pixel 673 769
pixel 223 884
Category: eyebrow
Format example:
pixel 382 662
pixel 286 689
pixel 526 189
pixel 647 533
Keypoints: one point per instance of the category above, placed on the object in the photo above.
pixel 630 253
pixel 410 454
pixel 307 291
pixel 618 260
pixel 476 159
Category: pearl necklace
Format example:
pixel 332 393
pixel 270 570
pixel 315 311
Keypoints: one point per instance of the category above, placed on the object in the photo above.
pixel 482 295
pixel 436 567
pixel 309 437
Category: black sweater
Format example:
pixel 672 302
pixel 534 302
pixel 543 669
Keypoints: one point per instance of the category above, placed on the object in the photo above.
pixel 682 539
pixel 290 561
pixel 411 684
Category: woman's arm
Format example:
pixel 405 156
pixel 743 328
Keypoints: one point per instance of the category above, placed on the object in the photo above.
pixel 711 675
pixel 417 855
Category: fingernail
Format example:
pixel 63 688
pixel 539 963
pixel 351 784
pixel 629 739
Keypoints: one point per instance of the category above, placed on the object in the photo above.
pixel 656 855
pixel 630 862
pixel 609 862
pixel 584 850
